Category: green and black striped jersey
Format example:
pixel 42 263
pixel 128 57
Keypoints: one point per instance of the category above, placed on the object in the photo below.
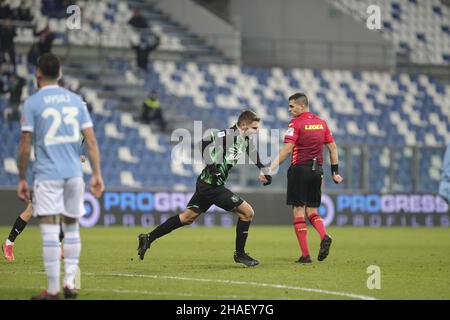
pixel 221 153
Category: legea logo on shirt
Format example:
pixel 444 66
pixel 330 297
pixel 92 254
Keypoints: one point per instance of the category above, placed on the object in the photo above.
pixel 289 132
pixel 313 127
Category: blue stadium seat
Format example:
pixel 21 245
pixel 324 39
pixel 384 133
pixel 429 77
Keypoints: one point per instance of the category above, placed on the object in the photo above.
pixel 373 97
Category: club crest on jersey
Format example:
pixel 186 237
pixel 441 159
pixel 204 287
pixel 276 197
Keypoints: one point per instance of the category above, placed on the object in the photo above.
pixel 313 127
pixel 289 132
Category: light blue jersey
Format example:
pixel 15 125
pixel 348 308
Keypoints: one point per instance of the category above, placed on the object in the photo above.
pixel 446 165
pixel 56 117
pixel 444 186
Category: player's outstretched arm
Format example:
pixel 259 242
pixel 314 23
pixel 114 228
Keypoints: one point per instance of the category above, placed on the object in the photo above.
pixel 264 175
pixel 24 156
pixel 97 185
pixel 281 157
pixel 334 160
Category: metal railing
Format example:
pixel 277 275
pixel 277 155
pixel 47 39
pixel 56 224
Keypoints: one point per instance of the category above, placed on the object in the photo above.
pixel 366 169
pixel 309 53
pixel 256 51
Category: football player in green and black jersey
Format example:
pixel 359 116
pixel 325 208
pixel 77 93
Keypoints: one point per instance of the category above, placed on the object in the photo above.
pixel 221 153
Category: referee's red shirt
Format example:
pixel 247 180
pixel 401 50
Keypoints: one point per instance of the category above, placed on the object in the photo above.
pixel 309 133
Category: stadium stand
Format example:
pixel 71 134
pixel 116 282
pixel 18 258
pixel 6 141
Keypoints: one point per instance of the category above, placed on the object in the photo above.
pixel 105 24
pixel 363 108
pixel 419 29
pixel 394 122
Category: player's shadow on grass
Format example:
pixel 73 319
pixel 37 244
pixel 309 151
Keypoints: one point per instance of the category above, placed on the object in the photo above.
pixel 212 267
pixel 282 262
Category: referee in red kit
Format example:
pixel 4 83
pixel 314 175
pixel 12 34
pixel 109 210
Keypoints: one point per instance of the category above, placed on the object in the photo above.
pixel 304 138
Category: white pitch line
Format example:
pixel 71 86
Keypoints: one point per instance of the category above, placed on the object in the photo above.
pixel 134 291
pixel 161 293
pixel 256 284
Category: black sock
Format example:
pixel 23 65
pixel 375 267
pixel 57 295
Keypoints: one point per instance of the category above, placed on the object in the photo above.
pixel 241 235
pixel 18 227
pixel 61 234
pixel 168 226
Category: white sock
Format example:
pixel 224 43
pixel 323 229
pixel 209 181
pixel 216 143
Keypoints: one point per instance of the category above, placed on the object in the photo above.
pixel 9 243
pixel 72 250
pixel 51 253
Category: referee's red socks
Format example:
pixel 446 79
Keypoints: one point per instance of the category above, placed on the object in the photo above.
pixel 317 223
pixel 300 231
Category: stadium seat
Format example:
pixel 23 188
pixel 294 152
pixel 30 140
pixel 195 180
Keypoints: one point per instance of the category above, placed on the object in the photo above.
pixel 418 25
pixel 105 22
pixel 369 108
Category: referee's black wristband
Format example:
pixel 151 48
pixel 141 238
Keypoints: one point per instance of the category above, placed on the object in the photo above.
pixel 334 169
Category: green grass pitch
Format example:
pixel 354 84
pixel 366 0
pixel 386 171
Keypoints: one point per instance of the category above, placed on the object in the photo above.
pixel 197 263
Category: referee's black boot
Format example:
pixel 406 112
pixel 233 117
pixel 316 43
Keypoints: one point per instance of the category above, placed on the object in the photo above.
pixel 324 248
pixel 306 259
pixel 144 244
pixel 244 258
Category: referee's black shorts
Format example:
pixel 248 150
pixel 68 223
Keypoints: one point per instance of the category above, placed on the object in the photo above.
pixel 206 195
pixel 304 187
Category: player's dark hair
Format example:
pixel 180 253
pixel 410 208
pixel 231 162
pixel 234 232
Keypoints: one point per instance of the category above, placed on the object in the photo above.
pixel 247 116
pixel 49 65
pixel 299 97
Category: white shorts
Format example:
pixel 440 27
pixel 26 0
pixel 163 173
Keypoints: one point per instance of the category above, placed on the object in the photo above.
pixel 53 197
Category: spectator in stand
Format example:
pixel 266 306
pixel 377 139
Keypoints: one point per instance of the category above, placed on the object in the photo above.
pixel 45 40
pixel 138 21
pixel 13 84
pixel 16 85
pixel 33 54
pixel 146 46
pixel 7 35
pixel 151 111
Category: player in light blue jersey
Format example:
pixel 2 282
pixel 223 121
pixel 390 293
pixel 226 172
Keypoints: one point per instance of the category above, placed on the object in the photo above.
pixel 22 221
pixel 52 120
pixel 444 185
